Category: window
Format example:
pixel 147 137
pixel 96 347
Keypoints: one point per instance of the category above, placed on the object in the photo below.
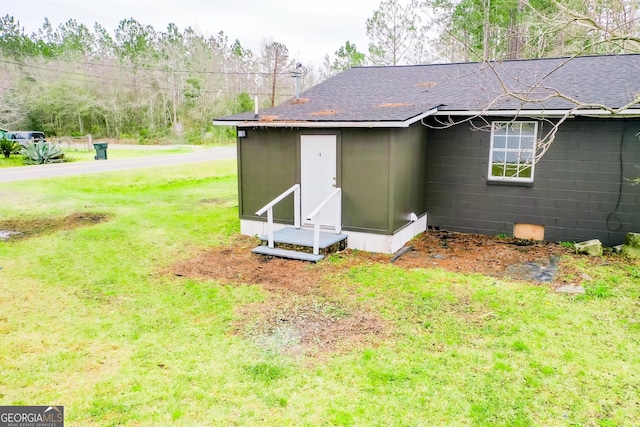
pixel 513 149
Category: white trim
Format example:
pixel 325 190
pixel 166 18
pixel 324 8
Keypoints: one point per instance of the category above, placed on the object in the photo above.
pixel 548 113
pixel 284 124
pixel 259 124
pixel 381 243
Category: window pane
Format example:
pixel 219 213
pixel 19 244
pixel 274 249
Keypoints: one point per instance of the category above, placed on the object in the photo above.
pixel 499 128
pixel 499 141
pixel 525 172
pixel 498 157
pixel 526 156
pixel 514 128
pixel 497 170
pixel 527 142
pixel 528 128
pixel 512 156
pixel 513 142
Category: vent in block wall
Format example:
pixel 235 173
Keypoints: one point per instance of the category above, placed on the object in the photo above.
pixel 528 231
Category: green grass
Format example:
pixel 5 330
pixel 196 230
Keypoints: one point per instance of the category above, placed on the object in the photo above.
pixel 11 161
pixel 79 155
pixel 92 319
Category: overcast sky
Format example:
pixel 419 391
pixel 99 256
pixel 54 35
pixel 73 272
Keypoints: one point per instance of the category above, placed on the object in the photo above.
pixel 308 29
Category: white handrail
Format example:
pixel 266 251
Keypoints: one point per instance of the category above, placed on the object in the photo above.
pixel 316 211
pixel 269 209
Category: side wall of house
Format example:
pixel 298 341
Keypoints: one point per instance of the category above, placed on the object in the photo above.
pixel 381 173
pixel 407 171
pixel 365 180
pixel 582 187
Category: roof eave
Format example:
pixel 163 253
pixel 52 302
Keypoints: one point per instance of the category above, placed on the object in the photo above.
pixel 544 113
pixel 326 124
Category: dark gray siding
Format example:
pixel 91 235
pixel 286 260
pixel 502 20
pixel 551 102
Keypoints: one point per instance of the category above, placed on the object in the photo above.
pixel 365 180
pixel 267 166
pixel 574 195
pixel 407 165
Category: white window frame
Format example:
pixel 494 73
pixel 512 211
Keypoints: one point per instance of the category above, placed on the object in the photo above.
pixel 530 151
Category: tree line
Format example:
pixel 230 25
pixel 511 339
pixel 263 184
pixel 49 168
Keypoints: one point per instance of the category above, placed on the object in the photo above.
pixel 136 82
pixel 418 32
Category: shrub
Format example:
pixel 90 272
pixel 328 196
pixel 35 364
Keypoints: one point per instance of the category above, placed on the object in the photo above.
pixel 8 147
pixel 37 153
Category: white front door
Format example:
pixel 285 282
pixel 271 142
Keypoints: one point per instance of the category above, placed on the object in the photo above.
pixel 318 176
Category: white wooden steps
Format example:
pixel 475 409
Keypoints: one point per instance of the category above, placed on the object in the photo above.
pixel 297 243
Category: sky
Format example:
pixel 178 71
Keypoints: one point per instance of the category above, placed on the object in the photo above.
pixel 308 29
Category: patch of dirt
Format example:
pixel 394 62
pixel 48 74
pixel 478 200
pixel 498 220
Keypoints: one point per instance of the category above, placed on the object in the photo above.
pixel 268 118
pixel 474 253
pixel 303 314
pixel 24 228
pixel 299 324
pixel 324 113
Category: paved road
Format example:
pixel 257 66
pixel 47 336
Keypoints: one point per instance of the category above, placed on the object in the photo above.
pixel 80 168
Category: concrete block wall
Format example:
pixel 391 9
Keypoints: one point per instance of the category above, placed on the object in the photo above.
pixel 575 190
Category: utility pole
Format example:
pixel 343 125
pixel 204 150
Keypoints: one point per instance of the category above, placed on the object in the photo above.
pixel 275 74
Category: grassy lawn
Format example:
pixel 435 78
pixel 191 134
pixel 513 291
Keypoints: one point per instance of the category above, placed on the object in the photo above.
pixel 90 318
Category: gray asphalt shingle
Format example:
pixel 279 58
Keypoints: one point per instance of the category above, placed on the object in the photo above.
pixel 374 94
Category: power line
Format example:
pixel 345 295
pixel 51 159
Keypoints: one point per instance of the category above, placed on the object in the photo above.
pixel 108 80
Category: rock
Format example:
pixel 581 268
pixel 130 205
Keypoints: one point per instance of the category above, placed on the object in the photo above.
pixel 6 234
pixel 633 240
pixel 631 247
pixel 571 289
pixel 617 249
pixel 530 270
pixel 590 247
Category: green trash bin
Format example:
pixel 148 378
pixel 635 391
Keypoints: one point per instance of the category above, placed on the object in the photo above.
pixel 101 150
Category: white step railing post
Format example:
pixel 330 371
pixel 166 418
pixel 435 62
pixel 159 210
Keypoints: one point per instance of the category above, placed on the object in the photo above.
pixel 296 206
pixel 268 208
pixel 316 238
pixel 270 226
pixel 316 211
pixel 338 216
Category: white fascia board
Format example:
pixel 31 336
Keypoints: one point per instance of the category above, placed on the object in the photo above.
pixel 386 124
pixel 527 113
pixel 245 124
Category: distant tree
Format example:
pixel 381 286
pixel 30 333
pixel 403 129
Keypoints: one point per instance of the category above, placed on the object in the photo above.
pixel 133 40
pixel 74 39
pixel 275 62
pixel 13 41
pixel 514 29
pixel 392 31
pixel 346 57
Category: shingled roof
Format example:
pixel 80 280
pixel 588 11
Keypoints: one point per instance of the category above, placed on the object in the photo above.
pixel 403 94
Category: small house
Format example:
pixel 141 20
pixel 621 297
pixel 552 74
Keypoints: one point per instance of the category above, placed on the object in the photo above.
pixel 544 148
